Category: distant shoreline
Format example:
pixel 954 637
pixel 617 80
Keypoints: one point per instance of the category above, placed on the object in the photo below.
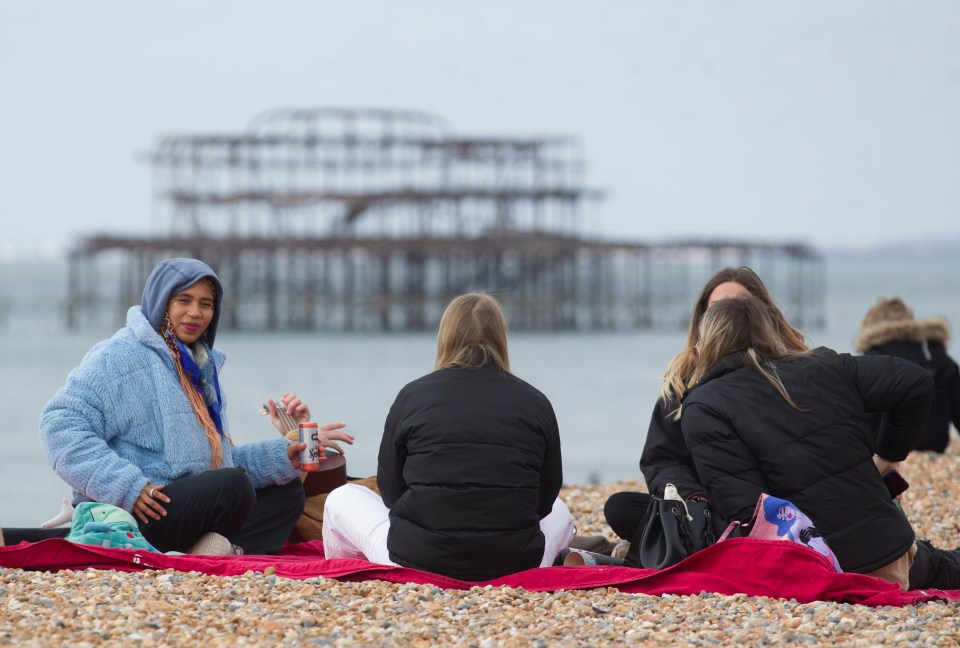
pixel 926 248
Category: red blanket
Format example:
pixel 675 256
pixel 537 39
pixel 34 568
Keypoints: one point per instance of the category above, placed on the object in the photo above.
pixel 741 565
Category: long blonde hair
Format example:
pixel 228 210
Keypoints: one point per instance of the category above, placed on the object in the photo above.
pixel 677 378
pixel 743 326
pixel 472 334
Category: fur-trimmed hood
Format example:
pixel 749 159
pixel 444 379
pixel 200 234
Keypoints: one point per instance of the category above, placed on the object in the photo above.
pixel 936 329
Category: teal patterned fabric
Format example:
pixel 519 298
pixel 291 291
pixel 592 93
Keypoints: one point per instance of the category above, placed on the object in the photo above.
pixel 105 525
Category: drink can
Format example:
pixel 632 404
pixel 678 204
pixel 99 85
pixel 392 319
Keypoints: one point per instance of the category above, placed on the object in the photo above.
pixel 309 456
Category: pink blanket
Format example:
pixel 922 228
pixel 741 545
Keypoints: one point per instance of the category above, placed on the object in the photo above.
pixel 741 565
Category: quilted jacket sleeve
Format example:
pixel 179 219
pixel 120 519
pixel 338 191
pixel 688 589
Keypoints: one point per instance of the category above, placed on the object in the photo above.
pixel 266 462
pixel 392 456
pixel 665 458
pixel 551 475
pixel 74 432
pixel 899 389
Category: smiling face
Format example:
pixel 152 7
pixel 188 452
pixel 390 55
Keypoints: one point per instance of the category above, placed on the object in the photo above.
pixel 190 311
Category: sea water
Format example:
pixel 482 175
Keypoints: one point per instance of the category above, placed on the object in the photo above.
pixel 602 385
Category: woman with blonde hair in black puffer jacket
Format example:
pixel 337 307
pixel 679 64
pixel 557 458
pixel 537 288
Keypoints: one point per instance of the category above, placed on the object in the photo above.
pixel 469 468
pixel 889 328
pixel 762 419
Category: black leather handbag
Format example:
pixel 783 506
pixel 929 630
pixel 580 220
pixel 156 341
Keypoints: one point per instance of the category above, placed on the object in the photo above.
pixel 671 530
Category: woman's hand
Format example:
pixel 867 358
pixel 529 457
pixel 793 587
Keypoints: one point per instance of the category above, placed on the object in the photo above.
pixel 149 504
pixel 328 433
pixel 884 466
pixel 293 453
pixel 295 408
pixel 328 436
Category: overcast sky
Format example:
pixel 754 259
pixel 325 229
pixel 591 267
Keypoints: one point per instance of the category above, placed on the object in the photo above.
pixel 831 122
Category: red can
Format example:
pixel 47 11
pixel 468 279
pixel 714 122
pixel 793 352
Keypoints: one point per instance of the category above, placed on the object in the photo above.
pixel 310 456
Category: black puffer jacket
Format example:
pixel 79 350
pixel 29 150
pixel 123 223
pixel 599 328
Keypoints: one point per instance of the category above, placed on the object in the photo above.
pixel 665 458
pixel 469 464
pixel 932 356
pixel 746 439
pixel 889 329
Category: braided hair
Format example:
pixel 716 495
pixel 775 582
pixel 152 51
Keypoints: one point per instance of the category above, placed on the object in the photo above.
pixel 193 394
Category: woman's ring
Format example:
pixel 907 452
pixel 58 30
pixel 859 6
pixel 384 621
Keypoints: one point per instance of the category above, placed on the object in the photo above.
pixel 151 492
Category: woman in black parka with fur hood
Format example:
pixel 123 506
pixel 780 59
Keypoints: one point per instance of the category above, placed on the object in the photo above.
pixel 889 328
pixel 794 425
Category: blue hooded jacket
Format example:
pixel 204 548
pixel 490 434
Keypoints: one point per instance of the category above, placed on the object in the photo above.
pixel 123 420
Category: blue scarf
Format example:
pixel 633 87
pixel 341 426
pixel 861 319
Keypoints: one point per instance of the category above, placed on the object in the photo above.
pixel 203 374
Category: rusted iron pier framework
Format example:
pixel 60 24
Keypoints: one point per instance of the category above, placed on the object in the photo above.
pixel 346 219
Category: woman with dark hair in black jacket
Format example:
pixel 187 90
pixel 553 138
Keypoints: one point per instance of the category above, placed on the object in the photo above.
pixel 762 419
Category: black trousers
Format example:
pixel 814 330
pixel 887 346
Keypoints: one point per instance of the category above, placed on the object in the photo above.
pixel 222 501
pixel 624 511
pixel 935 568
pixel 13 536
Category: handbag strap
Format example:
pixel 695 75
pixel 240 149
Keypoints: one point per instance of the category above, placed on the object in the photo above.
pixel 670 493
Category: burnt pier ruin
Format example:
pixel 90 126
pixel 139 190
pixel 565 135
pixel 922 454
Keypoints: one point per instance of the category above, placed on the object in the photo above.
pixel 363 219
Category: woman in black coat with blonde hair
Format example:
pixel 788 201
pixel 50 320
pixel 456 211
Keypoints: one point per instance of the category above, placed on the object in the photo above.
pixel 760 418
pixel 665 458
pixel 469 467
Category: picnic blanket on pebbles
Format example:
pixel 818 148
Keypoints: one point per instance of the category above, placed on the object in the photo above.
pixel 740 565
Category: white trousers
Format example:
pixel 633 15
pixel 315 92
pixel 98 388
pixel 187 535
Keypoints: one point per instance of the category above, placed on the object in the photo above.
pixel 356 522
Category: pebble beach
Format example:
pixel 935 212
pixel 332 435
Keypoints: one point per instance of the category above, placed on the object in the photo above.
pixel 167 608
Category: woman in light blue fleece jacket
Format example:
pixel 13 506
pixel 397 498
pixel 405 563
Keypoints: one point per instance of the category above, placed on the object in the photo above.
pixel 141 424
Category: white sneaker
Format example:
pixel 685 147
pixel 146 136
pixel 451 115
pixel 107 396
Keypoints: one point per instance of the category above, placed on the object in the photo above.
pixel 65 515
pixel 214 544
